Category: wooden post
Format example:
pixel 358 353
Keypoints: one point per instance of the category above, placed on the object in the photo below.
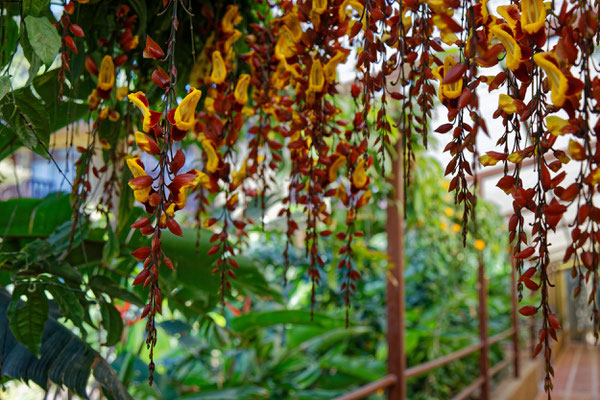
pixel 514 317
pixel 396 362
pixel 483 332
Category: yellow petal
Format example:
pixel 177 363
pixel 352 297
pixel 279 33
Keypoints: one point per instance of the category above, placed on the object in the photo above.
pixel 335 166
pixel 507 104
pixel 556 125
pixel 211 154
pixel 241 89
pixel 359 176
pixel 513 51
pixel 558 80
pixel 487 161
pixel 135 166
pixel 330 67
pixel 319 6
pixel 316 79
pixel 285 46
pixel 230 19
pixel 185 113
pixel 219 70
pixel 479 244
pixel 106 75
pixel 533 15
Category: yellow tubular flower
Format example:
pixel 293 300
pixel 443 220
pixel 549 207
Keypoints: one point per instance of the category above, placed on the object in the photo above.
pixel 292 22
pixel 137 169
pixel 319 6
pixel 316 80
pixel 337 164
pixel 533 15
pixel 106 75
pixel 285 46
pixel 241 89
pixel 509 13
pixel 359 176
pixel 330 67
pixel 507 104
pixel 185 113
pixel 212 161
pixel 230 19
pixel 513 51
pixel 151 118
pixel 450 90
pixel 558 80
pixel 343 11
pixel 219 70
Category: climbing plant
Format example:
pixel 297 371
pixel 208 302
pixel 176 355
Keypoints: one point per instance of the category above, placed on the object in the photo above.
pixel 229 102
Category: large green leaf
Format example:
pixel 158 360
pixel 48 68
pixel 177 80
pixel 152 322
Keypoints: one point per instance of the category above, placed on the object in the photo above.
pixel 245 392
pixel 34 7
pixel 106 285
pixel 4 86
pixel 112 323
pixel 27 322
pixel 10 31
pixel 295 317
pixel 43 37
pixel 33 217
pixel 64 359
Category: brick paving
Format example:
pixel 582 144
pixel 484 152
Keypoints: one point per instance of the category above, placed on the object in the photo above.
pixel 576 374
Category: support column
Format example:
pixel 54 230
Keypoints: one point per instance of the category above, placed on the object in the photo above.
pixel 396 362
pixel 514 316
pixel 483 332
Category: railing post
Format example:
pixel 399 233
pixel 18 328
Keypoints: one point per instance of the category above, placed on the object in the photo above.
pixel 396 362
pixel 514 316
pixel 483 331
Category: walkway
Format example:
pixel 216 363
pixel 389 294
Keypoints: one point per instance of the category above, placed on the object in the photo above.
pixel 577 374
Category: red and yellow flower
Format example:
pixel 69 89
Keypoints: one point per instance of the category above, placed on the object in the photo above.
pixel 150 118
pixel 533 16
pixel 556 78
pixel 184 116
pixel 106 76
pixel 141 184
pixel 449 90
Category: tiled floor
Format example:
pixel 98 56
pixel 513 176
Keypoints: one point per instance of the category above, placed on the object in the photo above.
pixel 577 374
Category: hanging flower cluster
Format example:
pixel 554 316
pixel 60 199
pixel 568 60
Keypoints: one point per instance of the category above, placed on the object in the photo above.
pixel 263 110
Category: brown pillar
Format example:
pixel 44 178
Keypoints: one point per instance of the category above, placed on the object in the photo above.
pixel 396 362
pixel 483 332
pixel 514 316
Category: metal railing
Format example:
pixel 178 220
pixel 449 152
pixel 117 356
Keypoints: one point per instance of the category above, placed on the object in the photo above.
pixel 482 382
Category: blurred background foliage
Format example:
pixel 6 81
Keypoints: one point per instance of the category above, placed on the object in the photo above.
pixel 263 343
pixel 73 304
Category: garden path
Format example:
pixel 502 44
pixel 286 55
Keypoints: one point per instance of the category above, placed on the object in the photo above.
pixel 577 374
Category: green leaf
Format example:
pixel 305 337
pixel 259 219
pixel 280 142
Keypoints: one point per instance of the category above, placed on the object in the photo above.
pixel 106 285
pixel 111 247
pixel 295 317
pixel 34 7
pixel 43 37
pixel 112 323
pixel 4 86
pixel 33 217
pixel 68 304
pixel 27 322
pixel 64 359
pixel 245 392
pixel 9 40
